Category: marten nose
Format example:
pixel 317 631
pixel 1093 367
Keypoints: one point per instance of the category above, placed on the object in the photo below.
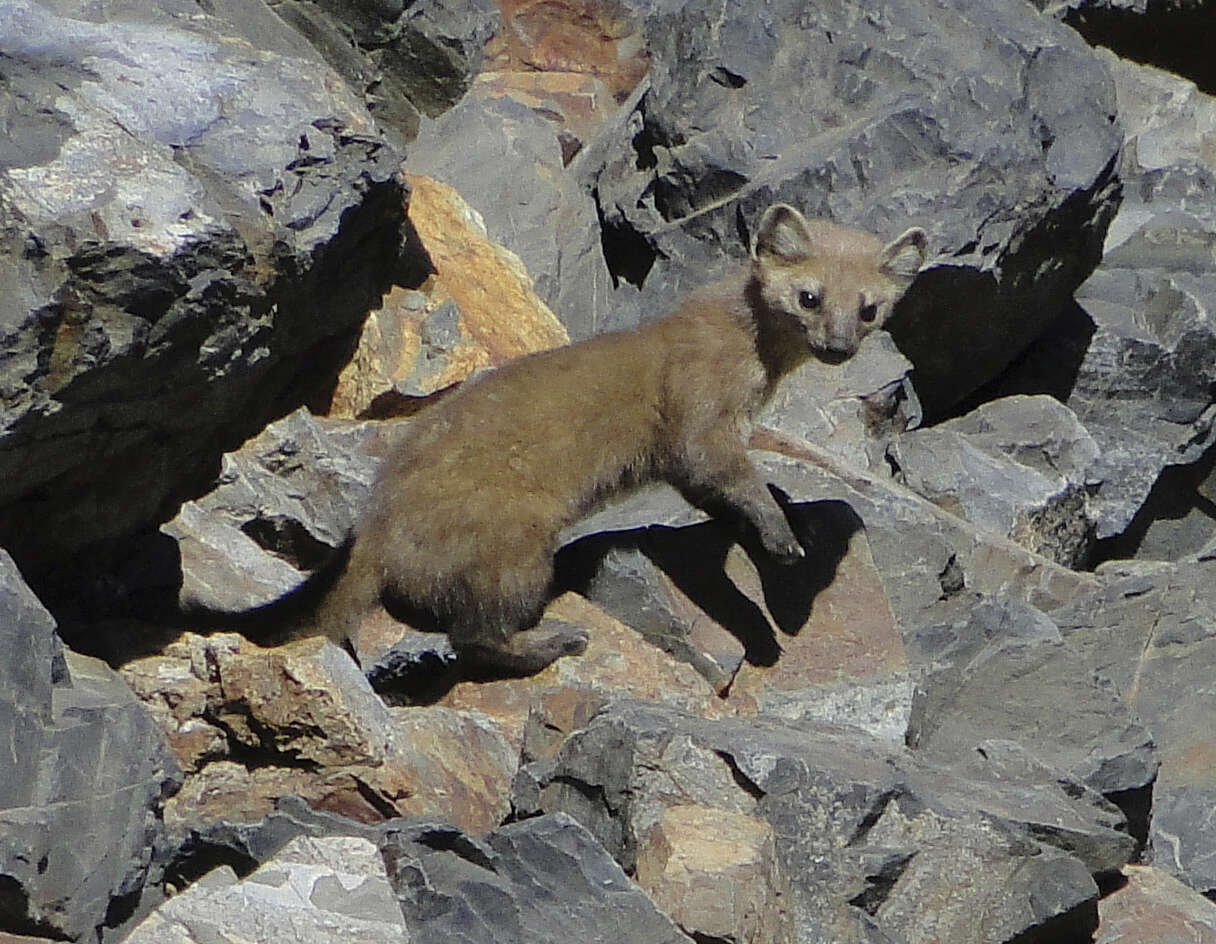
pixel 839 337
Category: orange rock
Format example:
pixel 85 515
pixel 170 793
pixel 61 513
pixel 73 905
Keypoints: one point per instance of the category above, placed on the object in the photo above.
pixel 1154 906
pixel 594 37
pixel 571 61
pixel 480 294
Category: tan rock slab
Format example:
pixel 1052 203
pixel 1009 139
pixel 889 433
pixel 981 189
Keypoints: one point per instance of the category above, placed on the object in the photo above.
pixel 254 724
pixel 716 874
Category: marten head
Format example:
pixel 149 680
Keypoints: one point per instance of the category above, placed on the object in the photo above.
pixel 831 285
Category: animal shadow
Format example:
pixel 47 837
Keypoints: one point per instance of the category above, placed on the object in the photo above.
pixel 610 568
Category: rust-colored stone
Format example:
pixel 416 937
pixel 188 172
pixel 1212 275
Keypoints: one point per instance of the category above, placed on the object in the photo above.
pixel 1154 906
pixel 306 717
pixel 591 37
pixel 480 293
pixel 846 662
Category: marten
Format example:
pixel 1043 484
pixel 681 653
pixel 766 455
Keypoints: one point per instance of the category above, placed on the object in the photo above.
pixel 462 523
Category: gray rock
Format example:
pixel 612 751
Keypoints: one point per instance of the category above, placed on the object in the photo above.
pixel 969 609
pixel 1046 895
pixel 544 215
pixel 283 502
pixel 324 890
pixel 853 410
pixel 1150 632
pixel 1006 673
pixel 1146 384
pixel 538 881
pixel 1138 362
pixel 80 802
pixel 243 846
pixel 930 559
pixel 841 805
pixel 178 242
pixel 1019 466
pixel 959 117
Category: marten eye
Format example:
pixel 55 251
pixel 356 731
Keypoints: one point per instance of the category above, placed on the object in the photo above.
pixel 869 313
pixel 808 300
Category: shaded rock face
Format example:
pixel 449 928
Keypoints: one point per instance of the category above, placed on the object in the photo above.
pixel 406 59
pixel 187 252
pixel 1133 358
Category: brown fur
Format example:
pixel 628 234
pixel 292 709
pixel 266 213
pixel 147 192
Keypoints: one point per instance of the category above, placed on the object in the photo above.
pixel 462 524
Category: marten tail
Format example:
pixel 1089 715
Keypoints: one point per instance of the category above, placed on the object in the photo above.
pixel 285 617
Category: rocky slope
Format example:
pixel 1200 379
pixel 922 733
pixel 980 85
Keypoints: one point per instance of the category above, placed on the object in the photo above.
pixel 243 244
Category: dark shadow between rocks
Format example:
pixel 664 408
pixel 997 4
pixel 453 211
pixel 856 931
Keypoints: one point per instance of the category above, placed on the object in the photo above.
pixel 14 912
pixel 1176 519
pixel 1050 365
pixel 962 327
pixel 121 605
pixel 1177 40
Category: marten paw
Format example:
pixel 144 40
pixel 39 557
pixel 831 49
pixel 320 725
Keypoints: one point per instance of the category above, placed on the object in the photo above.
pixel 785 551
pixel 558 637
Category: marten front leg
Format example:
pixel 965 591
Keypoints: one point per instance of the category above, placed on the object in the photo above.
pixel 719 478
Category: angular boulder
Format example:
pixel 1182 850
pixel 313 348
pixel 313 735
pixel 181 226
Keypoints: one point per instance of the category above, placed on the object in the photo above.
pixel 190 250
pixel 1019 466
pixel 82 795
pixel 314 891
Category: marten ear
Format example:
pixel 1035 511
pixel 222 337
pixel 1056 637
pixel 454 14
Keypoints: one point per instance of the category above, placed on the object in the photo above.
pixel 783 235
pixel 903 257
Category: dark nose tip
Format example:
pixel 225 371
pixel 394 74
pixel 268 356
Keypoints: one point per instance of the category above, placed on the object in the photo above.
pixel 834 355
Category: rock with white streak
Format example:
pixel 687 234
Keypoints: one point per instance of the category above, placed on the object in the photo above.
pixel 314 891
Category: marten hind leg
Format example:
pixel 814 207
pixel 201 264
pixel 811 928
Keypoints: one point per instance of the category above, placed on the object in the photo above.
pixel 525 652
pixel 511 636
